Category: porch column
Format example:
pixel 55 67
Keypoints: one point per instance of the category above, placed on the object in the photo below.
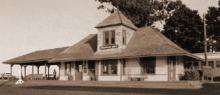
pixel 214 63
pixel 201 71
pixel 21 71
pixel 87 67
pixel 45 71
pixel 38 69
pixel 25 71
pixel 200 65
pixel 32 69
pixel 213 70
pixel 73 70
pixel 119 69
pixel 62 71
pixel 99 68
pixel 48 71
pixel 11 67
pixel 59 70
pixel 32 72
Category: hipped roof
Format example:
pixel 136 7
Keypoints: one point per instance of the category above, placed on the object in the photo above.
pixel 145 42
pixel 116 18
pixel 37 56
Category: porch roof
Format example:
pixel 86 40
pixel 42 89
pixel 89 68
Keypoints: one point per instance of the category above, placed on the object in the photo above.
pixel 210 56
pixel 145 42
pixel 83 50
pixel 35 57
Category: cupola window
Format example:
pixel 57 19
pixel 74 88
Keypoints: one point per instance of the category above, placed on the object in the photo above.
pixel 124 37
pixel 109 38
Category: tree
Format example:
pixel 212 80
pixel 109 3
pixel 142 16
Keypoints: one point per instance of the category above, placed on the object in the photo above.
pixel 185 28
pixel 141 12
pixel 213 26
pixel 183 25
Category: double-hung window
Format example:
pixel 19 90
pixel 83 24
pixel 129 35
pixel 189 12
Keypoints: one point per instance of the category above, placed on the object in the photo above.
pixel 149 65
pixel 109 38
pixel 109 67
pixel 124 37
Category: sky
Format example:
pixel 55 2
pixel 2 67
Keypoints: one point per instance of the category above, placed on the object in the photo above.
pixel 29 25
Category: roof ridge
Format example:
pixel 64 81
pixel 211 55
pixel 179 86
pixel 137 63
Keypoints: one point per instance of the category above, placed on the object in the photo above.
pixel 82 41
pixel 120 17
pixel 49 49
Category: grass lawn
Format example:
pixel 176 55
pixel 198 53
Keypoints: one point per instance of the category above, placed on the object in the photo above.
pixel 208 89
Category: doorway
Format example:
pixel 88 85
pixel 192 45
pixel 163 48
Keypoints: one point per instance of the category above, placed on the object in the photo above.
pixel 91 70
pixel 171 61
pixel 79 70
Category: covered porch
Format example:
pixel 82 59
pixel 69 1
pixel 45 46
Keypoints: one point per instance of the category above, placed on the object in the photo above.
pixel 34 70
pixel 211 70
pixel 36 66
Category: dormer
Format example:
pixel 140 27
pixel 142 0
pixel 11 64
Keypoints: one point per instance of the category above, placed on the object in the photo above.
pixel 114 33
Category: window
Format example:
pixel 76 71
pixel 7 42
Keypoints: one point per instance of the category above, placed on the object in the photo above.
pixel 211 64
pixel 124 66
pixel 67 67
pixel 149 65
pixel 191 65
pixel 124 37
pixel 106 36
pixel 85 67
pixel 79 66
pixel 218 64
pixel 112 37
pixel 109 38
pixel 105 68
pixel 172 61
pixel 91 67
pixel 109 67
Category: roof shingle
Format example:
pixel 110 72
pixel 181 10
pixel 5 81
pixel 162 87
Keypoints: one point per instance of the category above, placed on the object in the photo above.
pixel 80 51
pixel 37 56
pixel 145 42
pixel 116 18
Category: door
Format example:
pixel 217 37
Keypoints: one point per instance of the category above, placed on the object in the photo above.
pixel 79 70
pixel 68 68
pixel 171 68
pixel 91 68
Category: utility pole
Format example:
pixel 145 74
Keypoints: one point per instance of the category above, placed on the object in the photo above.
pixel 204 74
pixel 205 40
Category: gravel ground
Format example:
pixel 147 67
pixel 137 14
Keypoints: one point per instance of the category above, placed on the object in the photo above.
pixel 208 89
